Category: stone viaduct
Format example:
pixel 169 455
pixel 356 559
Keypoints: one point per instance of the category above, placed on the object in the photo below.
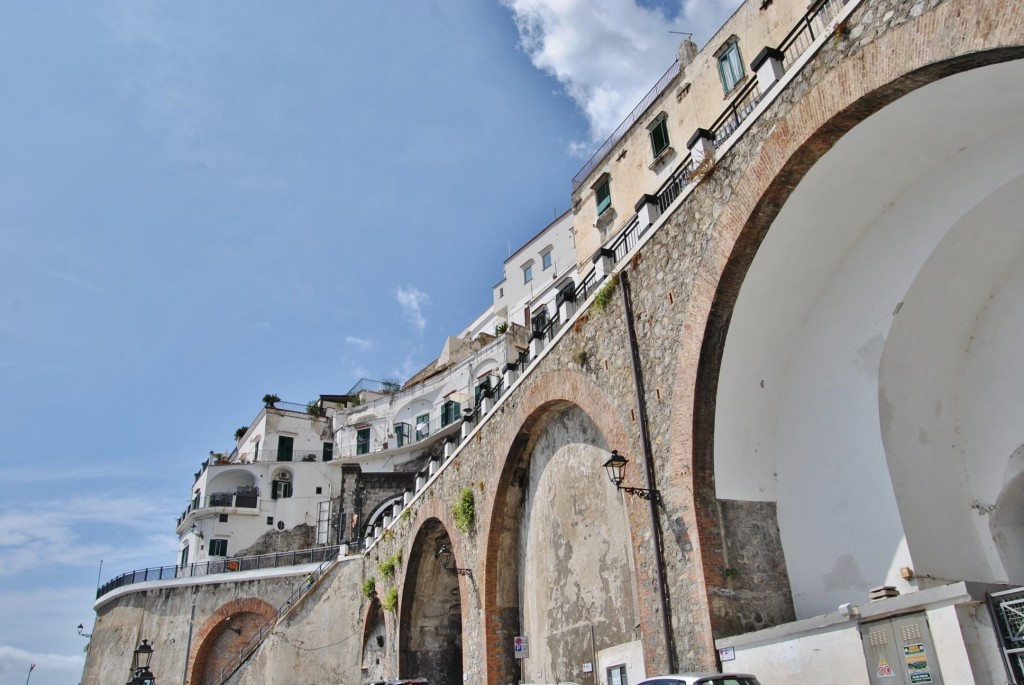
pixel 554 551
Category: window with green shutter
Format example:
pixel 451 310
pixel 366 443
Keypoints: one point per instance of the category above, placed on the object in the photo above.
pixel 603 195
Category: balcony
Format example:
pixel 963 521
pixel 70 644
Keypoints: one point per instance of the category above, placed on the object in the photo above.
pixel 242 498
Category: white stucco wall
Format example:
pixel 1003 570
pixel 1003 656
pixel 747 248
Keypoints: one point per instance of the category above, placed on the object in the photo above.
pixel 826 411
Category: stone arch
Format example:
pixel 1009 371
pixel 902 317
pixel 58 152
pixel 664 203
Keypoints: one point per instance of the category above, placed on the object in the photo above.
pixel 217 640
pixel 375 647
pixel 837 98
pixel 431 607
pixel 561 433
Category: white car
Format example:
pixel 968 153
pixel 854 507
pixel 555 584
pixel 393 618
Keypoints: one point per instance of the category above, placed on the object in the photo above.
pixel 702 679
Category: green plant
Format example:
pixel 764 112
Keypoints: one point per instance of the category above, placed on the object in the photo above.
pixel 380 640
pixel 732 573
pixel 406 515
pixel 464 510
pixel 604 295
pixel 388 566
pixel 388 535
pixel 580 357
pixel 271 399
pixel 241 432
pixel 370 587
pixel 501 328
pixel 390 599
pixel 313 407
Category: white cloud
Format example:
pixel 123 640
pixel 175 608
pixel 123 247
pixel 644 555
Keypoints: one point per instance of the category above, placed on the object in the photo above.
pixel 411 299
pixel 607 60
pixel 363 344
pixel 14 662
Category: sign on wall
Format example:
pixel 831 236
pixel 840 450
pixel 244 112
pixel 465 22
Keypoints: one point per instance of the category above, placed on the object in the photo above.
pixel 522 646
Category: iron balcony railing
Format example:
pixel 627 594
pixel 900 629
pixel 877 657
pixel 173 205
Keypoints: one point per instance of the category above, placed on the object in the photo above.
pixel 811 25
pixel 244 498
pixel 225 565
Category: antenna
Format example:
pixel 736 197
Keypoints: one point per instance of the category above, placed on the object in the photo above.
pixel 682 33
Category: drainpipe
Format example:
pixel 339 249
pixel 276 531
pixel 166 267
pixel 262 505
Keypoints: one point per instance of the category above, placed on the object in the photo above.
pixel 645 443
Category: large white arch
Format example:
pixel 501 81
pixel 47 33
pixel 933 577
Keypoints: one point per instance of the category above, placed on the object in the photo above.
pixel 840 344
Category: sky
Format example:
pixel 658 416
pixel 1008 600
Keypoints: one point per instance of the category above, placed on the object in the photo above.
pixel 204 202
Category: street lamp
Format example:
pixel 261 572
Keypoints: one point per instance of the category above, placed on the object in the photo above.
pixel 80 629
pixel 141 657
pixel 444 554
pixel 615 466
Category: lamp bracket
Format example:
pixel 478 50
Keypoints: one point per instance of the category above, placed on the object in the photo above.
pixel 643 493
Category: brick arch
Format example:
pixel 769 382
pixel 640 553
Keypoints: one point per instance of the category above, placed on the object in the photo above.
pixel 250 612
pixel 546 396
pixel 837 99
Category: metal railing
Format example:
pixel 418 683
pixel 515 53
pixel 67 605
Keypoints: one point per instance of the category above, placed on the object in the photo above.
pixel 739 108
pixel 628 122
pixel 225 565
pixel 261 634
pixel 811 25
pixel 247 499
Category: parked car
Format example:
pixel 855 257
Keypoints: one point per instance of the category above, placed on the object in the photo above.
pixel 702 679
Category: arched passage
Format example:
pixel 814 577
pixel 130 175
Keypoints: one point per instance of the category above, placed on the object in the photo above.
pixel 223 634
pixel 431 611
pixel 559 550
pixel 846 387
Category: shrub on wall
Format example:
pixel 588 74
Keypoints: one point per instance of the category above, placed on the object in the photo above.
pixel 604 295
pixel 388 566
pixel 390 599
pixel 464 510
pixel 369 587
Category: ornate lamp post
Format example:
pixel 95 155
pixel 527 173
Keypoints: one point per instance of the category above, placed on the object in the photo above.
pixel 615 466
pixel 141 657
pixel 444 554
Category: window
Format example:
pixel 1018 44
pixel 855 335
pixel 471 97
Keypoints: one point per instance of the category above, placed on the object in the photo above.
pixel 402 434
pixel 223 518
pixel 363 441
pixel 483 389
pixel 319 490
pixel 256 451
pixel 218 548
pixel 270 520
pixel 730 65
pixel 284 448
pixel 603 195
pixel 528 273
pixel 659 135
pixel 328 451
pixel 184 555
pixel 282 489
pixel 422 426
pixel 545 260
pixel 450 411
pixel 617 675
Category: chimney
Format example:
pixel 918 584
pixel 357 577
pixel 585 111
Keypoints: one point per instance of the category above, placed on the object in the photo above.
pixel 687 51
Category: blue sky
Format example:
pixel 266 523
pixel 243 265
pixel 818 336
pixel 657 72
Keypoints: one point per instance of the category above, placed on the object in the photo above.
pixel 201 203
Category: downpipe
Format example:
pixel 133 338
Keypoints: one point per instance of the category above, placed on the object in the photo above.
pixel 648 460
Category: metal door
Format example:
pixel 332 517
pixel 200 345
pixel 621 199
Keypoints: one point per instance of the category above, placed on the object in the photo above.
pixel 899 651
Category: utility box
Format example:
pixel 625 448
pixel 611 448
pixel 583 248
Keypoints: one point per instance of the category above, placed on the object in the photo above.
pixel 899 651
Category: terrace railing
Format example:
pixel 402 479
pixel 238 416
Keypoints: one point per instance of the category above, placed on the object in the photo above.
pixel 225 565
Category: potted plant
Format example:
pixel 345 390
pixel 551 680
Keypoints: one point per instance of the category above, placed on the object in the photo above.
pixel 270 399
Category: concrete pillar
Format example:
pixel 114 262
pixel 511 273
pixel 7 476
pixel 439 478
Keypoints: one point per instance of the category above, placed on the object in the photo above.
pixel 367 542
pixel 466 429
pixel 449 449
pixel 387 522
pixel 420 481
pixel 537 343
pixel 343 550
pixel 647 212
pixel 407 498
pixel 510 376
pixel 768 67
pixel 701 146
pixel 604 262
pixel 396 510
pixel 486 405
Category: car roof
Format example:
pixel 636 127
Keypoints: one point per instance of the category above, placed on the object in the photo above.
pixel 695 676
